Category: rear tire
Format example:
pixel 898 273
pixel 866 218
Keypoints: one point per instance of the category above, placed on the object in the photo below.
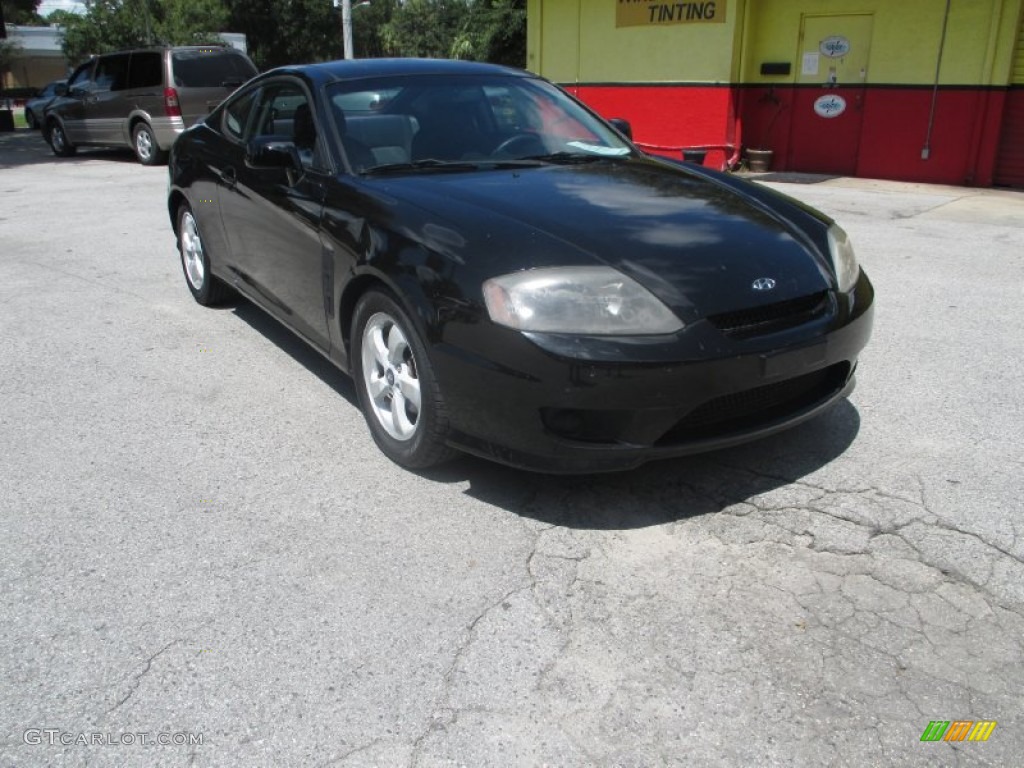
pixel 58 140
pixel 146 149
pixel 398 392
pixel 206 289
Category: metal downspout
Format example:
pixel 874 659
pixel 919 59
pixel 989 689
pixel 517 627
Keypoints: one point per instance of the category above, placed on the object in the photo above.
pixel 926 150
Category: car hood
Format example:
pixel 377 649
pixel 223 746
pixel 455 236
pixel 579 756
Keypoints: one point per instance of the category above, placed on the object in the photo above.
pixel 697 244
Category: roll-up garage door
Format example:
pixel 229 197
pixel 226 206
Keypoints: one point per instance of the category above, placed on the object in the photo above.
pixel 1010 160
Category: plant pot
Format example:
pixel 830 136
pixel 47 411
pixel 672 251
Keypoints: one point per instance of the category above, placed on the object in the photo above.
pixel 695 156
pixel 759 160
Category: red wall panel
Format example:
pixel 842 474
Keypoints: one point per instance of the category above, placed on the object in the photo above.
pixel 668 118
pixel 964 140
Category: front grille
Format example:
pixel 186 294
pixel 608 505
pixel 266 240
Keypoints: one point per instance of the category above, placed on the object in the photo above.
pixel 770 318
pixel 752 408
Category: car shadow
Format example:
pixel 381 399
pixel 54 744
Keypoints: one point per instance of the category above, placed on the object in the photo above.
pixel 294 347
pixel 27 147
pixel 790 177
pixel 664 491
pixel 654 494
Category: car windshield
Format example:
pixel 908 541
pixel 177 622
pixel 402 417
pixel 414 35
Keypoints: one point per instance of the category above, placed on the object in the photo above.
pixel 211 68
pixel 437 123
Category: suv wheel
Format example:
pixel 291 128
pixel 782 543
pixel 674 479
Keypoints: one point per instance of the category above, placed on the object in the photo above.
pixel 58 140
pixel 146 149
pixel 30 119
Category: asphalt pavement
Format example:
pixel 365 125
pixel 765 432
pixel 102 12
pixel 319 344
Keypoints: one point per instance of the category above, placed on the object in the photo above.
pixel 201 544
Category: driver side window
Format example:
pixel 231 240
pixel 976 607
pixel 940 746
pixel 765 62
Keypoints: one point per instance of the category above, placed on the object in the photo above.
pixel 283 110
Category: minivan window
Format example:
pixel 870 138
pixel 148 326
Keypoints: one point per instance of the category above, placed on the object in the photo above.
pixel 210 68
pixel 112 72
pixel 81 77
pixel 146 70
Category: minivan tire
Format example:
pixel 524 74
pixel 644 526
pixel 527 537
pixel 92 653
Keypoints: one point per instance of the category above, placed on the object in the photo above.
pixel 58 140
pixel 146 149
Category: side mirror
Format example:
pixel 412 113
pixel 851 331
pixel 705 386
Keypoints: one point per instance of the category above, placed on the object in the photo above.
pixel 622 126
pixel 266 152
pixel 61 89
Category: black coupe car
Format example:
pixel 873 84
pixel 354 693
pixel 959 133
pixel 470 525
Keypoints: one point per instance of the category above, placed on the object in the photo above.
pixel 502 272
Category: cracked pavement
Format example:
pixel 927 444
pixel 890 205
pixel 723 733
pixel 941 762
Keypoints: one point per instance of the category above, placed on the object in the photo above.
pixel 201 537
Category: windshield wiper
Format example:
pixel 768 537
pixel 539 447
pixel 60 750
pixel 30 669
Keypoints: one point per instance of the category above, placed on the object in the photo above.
pixel 430 164
pixel 571 158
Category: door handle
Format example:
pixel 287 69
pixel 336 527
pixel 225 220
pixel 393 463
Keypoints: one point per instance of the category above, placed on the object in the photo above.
pixel 228 176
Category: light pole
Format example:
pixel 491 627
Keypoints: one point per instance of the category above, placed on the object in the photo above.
pixel 346 23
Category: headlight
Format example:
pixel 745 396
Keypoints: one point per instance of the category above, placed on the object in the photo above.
pixel 843 260
pixel 598 301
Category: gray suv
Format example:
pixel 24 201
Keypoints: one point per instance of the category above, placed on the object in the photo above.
pixel 143 98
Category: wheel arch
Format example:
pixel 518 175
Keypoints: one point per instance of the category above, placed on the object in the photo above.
pixel 174 201
pixel 407 293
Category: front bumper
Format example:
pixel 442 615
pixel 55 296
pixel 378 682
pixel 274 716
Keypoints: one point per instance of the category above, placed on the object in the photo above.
pixel 529 404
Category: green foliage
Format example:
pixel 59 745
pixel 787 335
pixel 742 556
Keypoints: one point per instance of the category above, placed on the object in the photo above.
pixel 425 28
pixel 368 21
pixel 110 25
pixel 9 51
pixel 481 30
pixel 59 17
pixel 22 12
pixel 180 22
pixel 298 31
pixel 287 31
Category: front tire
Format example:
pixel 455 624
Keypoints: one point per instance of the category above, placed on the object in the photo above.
pixel 58 140
pixel 30 119
pixel 398 392
pixel 195 262
pixel 146 149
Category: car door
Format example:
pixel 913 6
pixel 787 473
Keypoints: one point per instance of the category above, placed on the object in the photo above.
pixel 106 112
pixel 272 216
pixel 71 106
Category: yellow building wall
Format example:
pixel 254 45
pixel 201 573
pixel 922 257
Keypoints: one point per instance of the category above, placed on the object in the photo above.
pixel 905 40
pixel 572 41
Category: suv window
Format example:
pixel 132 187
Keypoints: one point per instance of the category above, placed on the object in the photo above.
pixel 112 72
pixel 146 70
pixel 210 68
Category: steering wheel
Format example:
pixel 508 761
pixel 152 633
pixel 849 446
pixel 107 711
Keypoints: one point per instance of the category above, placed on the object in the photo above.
pixel 519 141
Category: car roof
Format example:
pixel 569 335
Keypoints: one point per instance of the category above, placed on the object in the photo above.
pixel 353 69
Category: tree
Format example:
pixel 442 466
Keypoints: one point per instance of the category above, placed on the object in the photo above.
pixel 481 30
pixel 20 12
pixel 110 25
pixel 424 28
pixel 494 31
pixel 368 22
pixel 293 32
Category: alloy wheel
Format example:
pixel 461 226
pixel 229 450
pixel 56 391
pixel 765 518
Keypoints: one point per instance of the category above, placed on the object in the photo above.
pixel 192 251
pixel 390 377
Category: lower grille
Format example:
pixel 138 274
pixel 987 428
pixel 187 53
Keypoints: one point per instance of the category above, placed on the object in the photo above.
pixel 752 408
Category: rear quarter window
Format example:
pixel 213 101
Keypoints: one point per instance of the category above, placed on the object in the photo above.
pixel 146 70
pixel 210 68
